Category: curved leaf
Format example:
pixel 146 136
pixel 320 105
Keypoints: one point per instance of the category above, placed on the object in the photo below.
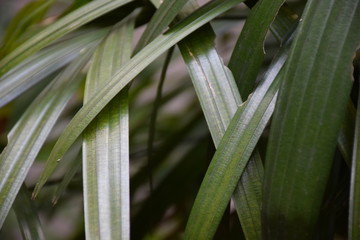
pixel 248 54
pixel 32 13
pixel 312 103
pixel 65 25
pixel 232 155
pixel 30 132
pixel 162 18
pixel 125 74
pixel 47 61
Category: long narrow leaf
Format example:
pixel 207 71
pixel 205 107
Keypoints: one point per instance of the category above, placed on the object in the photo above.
pixel 30 132
pixel 127 73
pixel 37 67
pixel 213 82
pixel 219 99
pixel 58 29
pixel 32 13
pixel 312 102
pixel 249 52
pixel 106 145
pixel 232 155
pixel 162 18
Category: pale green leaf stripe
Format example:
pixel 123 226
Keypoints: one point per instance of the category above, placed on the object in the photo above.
pixel 354 207
pixel 127 73
pixel 27 216
pixel 232 156
pixel 219 99
pixel 229 162
pixel 30 132
pixel 40 65
pixel 106 144
pixel 213 82
pixel 311 106
pixel 162 18
pixel 58 29
pixel 248 53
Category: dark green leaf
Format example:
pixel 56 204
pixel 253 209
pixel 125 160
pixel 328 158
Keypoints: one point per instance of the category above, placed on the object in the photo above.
pixel 248 54
pixel 312 103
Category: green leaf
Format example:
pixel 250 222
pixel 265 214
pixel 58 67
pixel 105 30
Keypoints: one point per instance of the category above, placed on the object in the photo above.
pixel 30 132
pixel 27 216
pixel 65 25
pixel 354 211
pixel 32 13
pixel 232 155
pixel 216 102
pixel 162 18
pixel 125 74
pixel 312 103
pixel 42 64
pixel 247 197
pixel 249 52
pixel 284 23
pixel 213 82
pixel 219 99
pixel 106 144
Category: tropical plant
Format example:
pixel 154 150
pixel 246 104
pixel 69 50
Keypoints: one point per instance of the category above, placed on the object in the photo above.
pixel 127 135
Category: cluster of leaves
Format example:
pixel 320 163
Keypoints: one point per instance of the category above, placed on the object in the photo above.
pixel 200 144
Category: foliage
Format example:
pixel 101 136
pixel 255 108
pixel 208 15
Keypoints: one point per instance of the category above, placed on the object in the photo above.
pixel 247 129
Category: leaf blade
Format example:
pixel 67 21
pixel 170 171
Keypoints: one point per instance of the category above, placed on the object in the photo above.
pixel 248 54
pixel 35 68
pixel 293 188
pixel 30 132
pixel 127 73
pixel 63 26
pixel 106 145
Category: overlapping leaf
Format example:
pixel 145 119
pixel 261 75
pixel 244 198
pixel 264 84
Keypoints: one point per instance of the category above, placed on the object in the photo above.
pixel 311 106
pixel 125 74
pixel 249 52
pixel 106 144
pixel 30 132
pixel 65 25
pixel 32 13
pixel 233 154
pixel 37 67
